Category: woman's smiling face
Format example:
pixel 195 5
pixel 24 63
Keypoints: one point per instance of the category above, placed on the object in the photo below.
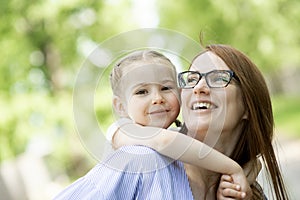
pixel 217 110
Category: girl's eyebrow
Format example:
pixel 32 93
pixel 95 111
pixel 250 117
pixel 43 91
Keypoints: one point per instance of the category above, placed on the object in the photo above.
pixel 169 81
pixel 154 82
pixel 144 84
pixel 138 85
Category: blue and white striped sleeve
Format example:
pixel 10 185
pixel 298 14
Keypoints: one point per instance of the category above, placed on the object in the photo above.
pixel 132 172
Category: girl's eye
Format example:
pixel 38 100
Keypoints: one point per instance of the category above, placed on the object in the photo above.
pixel 166 88
pixel 141 92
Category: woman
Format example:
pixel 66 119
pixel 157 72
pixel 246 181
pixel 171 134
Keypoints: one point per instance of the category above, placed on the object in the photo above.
pixel 225 104
pixel 243 102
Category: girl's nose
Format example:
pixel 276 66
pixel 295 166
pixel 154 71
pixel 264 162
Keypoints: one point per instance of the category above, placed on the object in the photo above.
pixel 201 87
pixel 158 99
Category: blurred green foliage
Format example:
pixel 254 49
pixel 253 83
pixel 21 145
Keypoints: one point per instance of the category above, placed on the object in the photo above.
pixel 44 43
pixel 264 30
pixel 287 114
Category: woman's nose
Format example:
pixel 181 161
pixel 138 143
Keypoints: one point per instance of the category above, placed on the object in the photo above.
pixel 158 99
pixel 201 87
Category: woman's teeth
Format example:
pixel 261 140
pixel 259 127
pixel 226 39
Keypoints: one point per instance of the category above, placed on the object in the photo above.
pixel 201 105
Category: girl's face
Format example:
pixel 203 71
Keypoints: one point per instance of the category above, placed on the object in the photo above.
pixel 151 95
pixel 212 110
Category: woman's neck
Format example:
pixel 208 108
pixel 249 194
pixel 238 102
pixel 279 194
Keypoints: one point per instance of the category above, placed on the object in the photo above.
pixel 203 183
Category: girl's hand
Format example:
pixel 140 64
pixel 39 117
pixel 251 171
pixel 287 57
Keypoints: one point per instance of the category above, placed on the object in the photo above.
pixel 235 186
pixel 229 190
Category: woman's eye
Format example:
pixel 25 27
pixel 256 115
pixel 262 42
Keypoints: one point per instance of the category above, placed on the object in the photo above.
pixel 141 92
pixel 221 79
pixel 191 78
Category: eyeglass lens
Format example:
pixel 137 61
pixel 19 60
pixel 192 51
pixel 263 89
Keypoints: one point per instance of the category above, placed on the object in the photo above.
pixel 214 79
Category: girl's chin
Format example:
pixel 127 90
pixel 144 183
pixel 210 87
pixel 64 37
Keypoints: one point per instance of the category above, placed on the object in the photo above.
pixel 159 124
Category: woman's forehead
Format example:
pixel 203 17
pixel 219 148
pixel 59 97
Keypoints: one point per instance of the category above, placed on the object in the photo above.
pixel 208 61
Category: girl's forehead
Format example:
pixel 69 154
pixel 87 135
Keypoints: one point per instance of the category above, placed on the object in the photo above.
pixel 150 73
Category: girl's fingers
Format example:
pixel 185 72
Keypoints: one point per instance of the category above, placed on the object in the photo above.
pixel 228 190
pixel 228 193
pixel 233 193
pixel 226 178
pixel 229 185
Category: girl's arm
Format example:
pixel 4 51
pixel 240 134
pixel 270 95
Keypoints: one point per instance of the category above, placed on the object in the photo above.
pixel 179 146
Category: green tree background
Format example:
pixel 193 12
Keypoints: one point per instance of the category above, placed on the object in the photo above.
pixel 42 48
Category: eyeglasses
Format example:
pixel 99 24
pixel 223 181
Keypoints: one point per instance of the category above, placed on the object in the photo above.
pixel 214 79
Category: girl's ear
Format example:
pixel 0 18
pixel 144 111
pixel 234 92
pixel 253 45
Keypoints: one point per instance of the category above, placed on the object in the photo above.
pixel 119 106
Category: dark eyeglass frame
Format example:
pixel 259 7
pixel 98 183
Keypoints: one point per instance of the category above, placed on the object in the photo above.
pixel 181 85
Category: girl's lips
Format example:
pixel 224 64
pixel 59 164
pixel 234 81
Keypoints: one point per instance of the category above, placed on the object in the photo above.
pixel 159 111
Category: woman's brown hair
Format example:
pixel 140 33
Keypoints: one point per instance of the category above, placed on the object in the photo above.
pixel 256 138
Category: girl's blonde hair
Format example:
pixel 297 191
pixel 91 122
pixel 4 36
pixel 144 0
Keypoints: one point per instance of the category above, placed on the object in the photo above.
pixel 133 60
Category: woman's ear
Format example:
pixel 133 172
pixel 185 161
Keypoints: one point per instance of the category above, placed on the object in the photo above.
pixel 119 106
pixel 245 115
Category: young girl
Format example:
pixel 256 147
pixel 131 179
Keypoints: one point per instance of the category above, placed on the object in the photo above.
pixel 146 94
